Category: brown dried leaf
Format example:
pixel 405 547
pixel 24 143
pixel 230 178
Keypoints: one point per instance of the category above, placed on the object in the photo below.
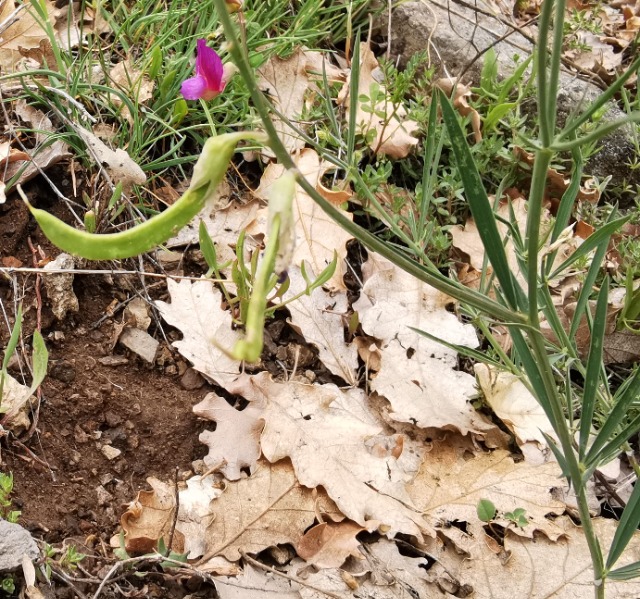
pixel 150 518
pixel 328 545
pixel 134 83
pixel 267 509
pixel 461 104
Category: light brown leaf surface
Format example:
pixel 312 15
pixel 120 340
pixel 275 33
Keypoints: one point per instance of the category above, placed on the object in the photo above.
pixel 134 83
pixel 393 130
pixel 327 434
pixel 317 236
pixel 256 584
pixel 319 317
pixel 269 508
pixel 235 443
pixel 195 310
pixel 417 376
pixel 149 518
pixel 452 481
pixel 513 403
pixel 329 544
pixel 287 82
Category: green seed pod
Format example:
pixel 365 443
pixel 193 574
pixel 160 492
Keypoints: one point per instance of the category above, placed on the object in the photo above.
pixel 207 174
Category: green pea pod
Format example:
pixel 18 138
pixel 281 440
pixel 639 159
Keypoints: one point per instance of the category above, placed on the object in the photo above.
pixel 207 174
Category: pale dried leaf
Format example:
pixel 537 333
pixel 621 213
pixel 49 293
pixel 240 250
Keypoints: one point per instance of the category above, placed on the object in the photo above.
pixel 195 513
pixel 325 431
pixel 461 102
pixel 267 509
pixel 195 309
pixel 451 482
pixel 417 376
pixel 15 401
pixel 150 518
pixel 317 236
pixel 319 317
pixel 235 444
pixel 256 584
pixel 328 545
pixel 119 165
pixel 44 155
pixel 514 404
pixel 134 83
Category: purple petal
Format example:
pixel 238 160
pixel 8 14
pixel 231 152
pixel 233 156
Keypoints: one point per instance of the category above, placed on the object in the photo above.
pixel 193 88
pixel 209 66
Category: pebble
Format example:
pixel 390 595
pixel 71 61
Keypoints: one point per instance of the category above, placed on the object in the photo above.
pixel 191 379
pixel 110 452
pixel 104 497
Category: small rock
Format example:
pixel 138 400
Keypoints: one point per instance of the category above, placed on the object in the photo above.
pixel 79 435
pixel 59 286
pixel 113 361
pixel 110 452
pixel 15 541
pixel 104 497
pixel 133 442
pixel 171 370
pixel 191 379
pixel 300 355
pixel 112 419
pixel 76 456
pixel 105 479
pixel 140 343
pixel 137 314
pixel 63 371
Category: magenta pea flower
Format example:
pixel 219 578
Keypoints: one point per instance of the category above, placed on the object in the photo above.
pixel 210 80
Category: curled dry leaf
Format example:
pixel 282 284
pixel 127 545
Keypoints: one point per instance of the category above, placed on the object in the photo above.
pixel 461 102
pixel 235 443
pixel 328 545
pixel 134 83
pixel 267 509
pixel 150 518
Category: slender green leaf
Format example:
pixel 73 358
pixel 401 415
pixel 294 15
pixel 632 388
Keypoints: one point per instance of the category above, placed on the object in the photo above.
pixel 627 526
pixel 481 210
pixel 13 340
pixel 40 359
pixel 626 572
pixel 594 368
pixel 517 75
pixel 616 416
pixel 208 248
pixel 496 113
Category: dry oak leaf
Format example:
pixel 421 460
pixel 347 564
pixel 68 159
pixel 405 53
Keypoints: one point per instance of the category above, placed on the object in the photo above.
pixel 24 33
pixel 393 131
pixel 324 431
pixel 287 82
pixel 514 404
pixel 418 377
pixel 256 584
pixel 134 83
pixel 536 568
pixel 235 443
pixel 150 518
pixel 195 310
pixel 319 317
pixel 461 104
pixel 452 481
pixel 264 510
pixel 317 236
pixel 329 544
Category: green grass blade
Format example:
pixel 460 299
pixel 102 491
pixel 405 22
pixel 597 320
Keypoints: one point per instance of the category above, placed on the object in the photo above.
pixel 627 394
pixel 40 359
pixel 13 340
pixel 627 526
pixel 594 368
pixel 626 572
pixel 481 210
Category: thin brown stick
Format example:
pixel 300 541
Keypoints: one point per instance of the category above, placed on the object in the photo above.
pixel 176 494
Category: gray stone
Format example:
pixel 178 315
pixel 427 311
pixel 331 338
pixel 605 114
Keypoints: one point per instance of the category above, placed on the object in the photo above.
pixel 15 541
pixel 455 34
pixel 140 342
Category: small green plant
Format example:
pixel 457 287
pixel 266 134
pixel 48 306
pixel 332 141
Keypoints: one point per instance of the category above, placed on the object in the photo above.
pixel 518 517
pixel 6 488
pixel 67 558
pixel 8 584
pixel 487 512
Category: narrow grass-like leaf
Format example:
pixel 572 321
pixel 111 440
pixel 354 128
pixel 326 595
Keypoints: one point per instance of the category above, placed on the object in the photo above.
pixel 463 350
pixel 13 340
pixel 40 359
pixel 614 445
pixel 208 249
pixel 353 100
pixel 626 572
pixel 481 210
pixel 594 367
pixel 627 526
pixel 591 243
pixel 616 416
pixel 587 286
pixel 517 75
